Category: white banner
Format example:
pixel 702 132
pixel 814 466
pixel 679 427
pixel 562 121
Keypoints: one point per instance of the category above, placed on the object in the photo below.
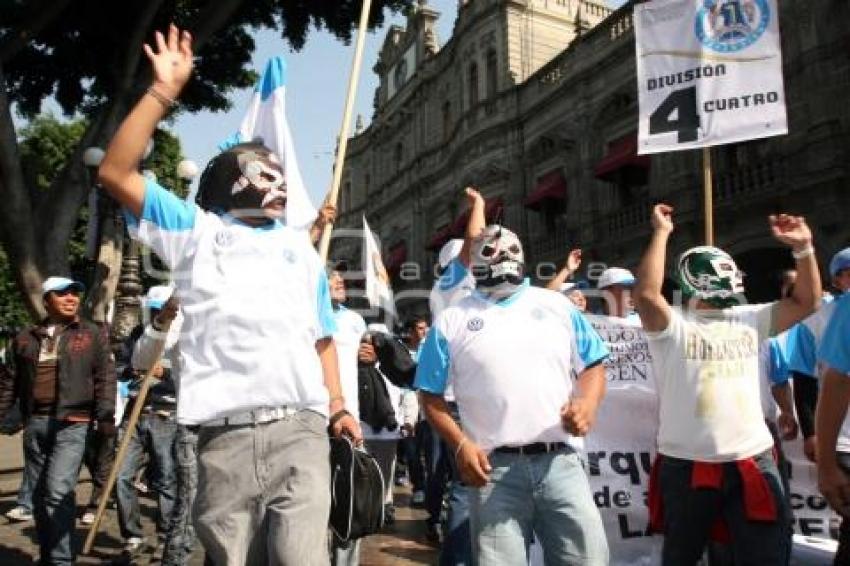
pixel 709 72
pixel 621 448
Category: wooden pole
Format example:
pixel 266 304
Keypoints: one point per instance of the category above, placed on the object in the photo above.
pixel 122 447
pixel 325 243
pixel 708 199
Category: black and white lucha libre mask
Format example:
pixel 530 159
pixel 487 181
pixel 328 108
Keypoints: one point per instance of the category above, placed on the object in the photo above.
pixel 498 262
pixel 246 177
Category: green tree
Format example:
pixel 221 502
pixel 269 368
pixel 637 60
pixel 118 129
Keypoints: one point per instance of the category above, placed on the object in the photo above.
pixel 88 57
pixel 46 145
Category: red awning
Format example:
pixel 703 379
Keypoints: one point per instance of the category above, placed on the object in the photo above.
pixel 552 187
pixel 395 257
pixel 492 212
pixel 439 238
pixel 621 154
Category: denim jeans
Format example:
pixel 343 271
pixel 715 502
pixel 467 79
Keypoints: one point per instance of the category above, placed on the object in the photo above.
pixel 31 470
pixel 842 555
pixel 56 450
pixel 264 492
pixel 154 435
pixel 98 459
pixel 547 494
pixel 180 539
pixel 690 513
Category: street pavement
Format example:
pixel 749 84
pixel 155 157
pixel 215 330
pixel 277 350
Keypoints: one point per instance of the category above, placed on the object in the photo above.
pixel 402 543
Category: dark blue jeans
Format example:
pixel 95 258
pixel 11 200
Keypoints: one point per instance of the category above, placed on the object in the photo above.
pixel 54 450
pixel 180 540
pixel 154 435
pixel 690 513
pixel 457 540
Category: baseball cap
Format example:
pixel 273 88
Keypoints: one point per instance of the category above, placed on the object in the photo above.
pixel 449 251
pixel 839 262
pixel 573 286
pixel 157 296
pixel 60 284
pixel 615 276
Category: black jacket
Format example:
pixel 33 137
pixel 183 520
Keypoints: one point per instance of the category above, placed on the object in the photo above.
pixel 376 408
pixel 85 372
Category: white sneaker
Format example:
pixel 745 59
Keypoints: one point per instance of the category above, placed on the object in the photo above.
pixel 133 545
pixel 19 514
pixel 87 518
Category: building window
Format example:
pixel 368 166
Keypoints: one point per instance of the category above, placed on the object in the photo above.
pixel 473 84
pixel 447 120
pixel 492 70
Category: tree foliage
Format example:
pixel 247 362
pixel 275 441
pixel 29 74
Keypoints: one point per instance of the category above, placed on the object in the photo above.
pixel 87 56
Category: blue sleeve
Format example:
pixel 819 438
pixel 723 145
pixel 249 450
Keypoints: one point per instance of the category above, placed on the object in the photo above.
pixel 590 348
pixel 432 373
pixel 327 322
pixel 834 349
pixel 802 350
pixel 164 209
pixel 778 372
pixel 455 272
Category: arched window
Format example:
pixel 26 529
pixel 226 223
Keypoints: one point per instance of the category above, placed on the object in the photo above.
pixel 473 84
pixel 492 70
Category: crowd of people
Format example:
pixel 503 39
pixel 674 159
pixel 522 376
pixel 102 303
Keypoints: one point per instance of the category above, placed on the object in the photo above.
pixel 263 361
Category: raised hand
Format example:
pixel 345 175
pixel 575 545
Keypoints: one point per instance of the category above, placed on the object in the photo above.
pixel 662 217
pixel 790 230
pixel 172 61
pixel 473 196
pixel 573 260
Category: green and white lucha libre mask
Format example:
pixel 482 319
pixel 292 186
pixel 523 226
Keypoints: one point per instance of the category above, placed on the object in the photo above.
pixel 710 274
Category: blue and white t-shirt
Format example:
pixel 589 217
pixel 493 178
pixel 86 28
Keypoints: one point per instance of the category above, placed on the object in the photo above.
pixel 510 363
pixel 456 283
pixel 834 352
pixel 254 299
pixel 350 327
pixel 804 337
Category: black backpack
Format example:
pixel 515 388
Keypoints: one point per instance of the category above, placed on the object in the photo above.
pixel 357 492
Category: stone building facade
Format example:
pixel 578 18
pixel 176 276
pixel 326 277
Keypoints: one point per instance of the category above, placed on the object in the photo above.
pixel 535 103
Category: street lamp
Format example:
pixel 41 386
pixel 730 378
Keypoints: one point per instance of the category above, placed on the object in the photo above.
pixel 187 170
pixel 92 157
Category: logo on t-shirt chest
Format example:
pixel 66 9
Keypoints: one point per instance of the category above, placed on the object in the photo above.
pixel 475 324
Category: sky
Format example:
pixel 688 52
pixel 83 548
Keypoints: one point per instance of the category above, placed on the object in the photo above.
pixel 317 81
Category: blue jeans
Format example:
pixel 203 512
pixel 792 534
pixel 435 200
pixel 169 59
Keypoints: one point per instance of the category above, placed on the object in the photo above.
pixel 690 513
pixel 457 542
pixel 55 450
pixel 547 494
pixel 154 435
pixel 180 540
pixel 31 470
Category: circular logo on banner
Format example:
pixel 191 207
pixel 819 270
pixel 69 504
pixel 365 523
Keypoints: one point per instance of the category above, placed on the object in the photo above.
pixel 731 25
pixel 475 324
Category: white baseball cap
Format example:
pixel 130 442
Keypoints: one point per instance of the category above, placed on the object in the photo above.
pixel 449 251
pixel 157 296
pixel 615 276
pixel 60 284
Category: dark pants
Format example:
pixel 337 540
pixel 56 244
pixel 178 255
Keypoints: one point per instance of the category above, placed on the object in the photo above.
pixel 99 459
pixel 689 514
pixel 55 449
pixel 154 435
pixel 842 556
pixel 411 452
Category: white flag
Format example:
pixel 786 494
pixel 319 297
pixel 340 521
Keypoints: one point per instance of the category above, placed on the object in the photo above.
pixel 378 291
pixel 709 72
pixel 266 121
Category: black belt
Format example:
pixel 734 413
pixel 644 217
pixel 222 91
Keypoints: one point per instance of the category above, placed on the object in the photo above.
pixel 533 448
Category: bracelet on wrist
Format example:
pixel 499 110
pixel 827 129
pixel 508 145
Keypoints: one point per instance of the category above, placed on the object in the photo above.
pixel 804 253
pixel 336 398
pixel 167 102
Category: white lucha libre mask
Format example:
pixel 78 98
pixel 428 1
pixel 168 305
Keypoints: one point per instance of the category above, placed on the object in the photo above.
pixel 261 174
pixel 497 261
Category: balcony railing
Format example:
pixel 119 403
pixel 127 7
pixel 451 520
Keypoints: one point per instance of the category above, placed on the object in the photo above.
pixel 744 182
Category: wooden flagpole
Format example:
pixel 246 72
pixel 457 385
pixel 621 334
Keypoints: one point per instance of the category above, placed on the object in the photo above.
pixel 708 197
pixel 333 195
pixel 125 442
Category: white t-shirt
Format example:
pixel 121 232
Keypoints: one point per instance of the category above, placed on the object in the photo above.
pixel 510 363
pixel 707 372
pixel 254 301
pixel 350 327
